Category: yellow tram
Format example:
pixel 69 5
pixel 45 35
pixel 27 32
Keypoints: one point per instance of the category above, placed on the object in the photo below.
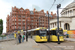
pixel 39 34
pixel 54 36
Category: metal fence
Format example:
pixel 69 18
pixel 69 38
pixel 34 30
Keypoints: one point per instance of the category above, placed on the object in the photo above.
pixel 7 37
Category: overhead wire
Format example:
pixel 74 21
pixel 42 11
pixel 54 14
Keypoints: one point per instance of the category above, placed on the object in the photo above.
pixel 55 4
pixel 52 5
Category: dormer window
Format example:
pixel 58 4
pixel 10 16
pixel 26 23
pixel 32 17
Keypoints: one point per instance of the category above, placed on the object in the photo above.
pixel 21 10
pixel 31 12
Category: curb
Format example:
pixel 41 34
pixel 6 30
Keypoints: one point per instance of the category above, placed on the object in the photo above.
pixel 71 40
pixel 34 41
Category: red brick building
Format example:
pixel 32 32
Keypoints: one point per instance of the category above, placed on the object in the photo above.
pixel 24 18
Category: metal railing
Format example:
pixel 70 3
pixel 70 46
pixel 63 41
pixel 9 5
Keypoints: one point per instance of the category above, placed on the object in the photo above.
pixel 7 37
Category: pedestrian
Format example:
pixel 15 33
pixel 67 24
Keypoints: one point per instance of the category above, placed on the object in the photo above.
pixel 19 37
pixel 23 37
pixel 26 36
pixel 67 35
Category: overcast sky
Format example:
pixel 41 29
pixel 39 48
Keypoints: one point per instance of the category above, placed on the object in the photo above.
pixel 6 5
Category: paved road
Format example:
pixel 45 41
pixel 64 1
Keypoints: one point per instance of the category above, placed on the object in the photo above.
pixel 55 46
pixel 10 45
pixel 31 45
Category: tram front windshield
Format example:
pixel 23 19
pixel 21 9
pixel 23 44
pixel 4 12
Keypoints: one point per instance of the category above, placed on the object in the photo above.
pixel 60 32
pixel 43 32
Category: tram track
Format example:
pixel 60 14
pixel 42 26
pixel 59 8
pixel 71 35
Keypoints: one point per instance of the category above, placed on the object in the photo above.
pixel 48 46
pixel 63 45
pixel 56 45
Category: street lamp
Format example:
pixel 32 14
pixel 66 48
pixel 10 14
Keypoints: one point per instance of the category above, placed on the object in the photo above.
pixel 48 29
pixel 39 21
pixel 26 29
pixel 58 6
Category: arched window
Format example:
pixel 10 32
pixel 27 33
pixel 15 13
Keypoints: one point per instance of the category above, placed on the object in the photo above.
pixel 66 26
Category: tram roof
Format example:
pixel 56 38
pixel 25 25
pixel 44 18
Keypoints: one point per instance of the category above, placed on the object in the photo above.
pixel 55 28
pixel 37 28
pixel 40 28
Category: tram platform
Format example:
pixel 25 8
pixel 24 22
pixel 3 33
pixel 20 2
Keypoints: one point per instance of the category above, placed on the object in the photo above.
pixel 70 39
pixel 11 45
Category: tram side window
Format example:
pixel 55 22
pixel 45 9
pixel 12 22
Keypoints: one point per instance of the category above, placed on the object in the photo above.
pixel 34 32
pixel 37 32
pixel 53 32
pixel 49 33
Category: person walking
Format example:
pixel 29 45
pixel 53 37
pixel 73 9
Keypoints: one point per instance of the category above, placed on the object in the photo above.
pixel 19 37
pixel 23 37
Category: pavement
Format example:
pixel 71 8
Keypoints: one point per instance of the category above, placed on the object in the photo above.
pixel 70 39
pixel 11 45
pixel 7 40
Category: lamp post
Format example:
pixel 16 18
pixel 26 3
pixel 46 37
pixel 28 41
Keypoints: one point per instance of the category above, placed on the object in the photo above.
pixel 26 29
pixel 58 6
pixel 48 29
pixel 39 21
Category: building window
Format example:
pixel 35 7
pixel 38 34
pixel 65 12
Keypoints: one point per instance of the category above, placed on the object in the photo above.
pixel 31 23
pixel 23 27
pixel 12 23
pixel 23 23
pixel 70 11
pixel 60 23
pixel 19 16
pixel 19 23
pixel 28 20
pixel 32 20
pixel 15 27
pixel 23 16
pixel 32 17
pixel 15 19
pixel 19 27
pixel 66 26
pixel 55 23
pixel 21 10
pixel 32 26
pixel 36 23
pixel 23 19
pixel 19 19
pixel 15 23
pixel 31 12
pixel 28 27
pixel 15 15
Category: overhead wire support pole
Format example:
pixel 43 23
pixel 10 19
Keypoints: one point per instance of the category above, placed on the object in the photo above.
pixel 48 29
pixel 39 21
pixel 58 6
pixel 48 22
pixel 26 30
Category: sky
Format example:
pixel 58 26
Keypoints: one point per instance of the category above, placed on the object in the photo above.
pixel 6 5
